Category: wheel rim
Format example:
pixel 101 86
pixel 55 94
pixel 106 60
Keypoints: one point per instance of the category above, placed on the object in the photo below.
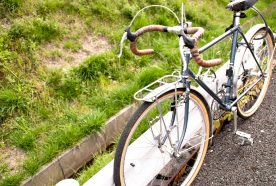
pixel 164 165
pixel 263 50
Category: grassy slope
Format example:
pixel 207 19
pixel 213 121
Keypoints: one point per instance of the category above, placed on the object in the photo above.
pixel 44 111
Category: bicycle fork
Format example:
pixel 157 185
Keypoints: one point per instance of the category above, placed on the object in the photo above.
pixel 185 54
pixel 187 99
pixel 177 147
pixel 187 82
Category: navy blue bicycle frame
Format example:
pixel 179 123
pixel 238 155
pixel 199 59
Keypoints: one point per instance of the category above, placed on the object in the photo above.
pixel 226 105
pixel 229 101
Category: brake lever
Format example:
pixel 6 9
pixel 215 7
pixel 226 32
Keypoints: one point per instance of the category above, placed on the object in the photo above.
pixel 122 42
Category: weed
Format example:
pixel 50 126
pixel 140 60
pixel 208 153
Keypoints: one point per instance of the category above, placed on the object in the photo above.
pixel 9 6
pixel 10 102
pixel 73 45
pixel 70 87
pixel 23 134
pixel 2 146
pixel 32 164
pixel 55 54
pixel 12 179
pixel 54 78
pixel 69 58
pixel 4 168
pixel 45 7
pixel 94 67
pixel 130 10
pixel 92 121
pixel 35 29
pixel 99 162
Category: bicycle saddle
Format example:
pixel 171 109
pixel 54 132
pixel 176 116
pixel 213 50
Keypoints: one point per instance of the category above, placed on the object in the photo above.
pixel 240 5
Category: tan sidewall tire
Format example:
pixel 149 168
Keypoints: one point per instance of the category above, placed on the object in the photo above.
pixel 206 115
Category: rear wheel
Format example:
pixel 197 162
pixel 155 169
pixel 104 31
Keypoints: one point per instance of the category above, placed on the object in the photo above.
pixel 141 160
pixel 251 73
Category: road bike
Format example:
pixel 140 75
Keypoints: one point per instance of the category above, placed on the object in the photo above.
pixel 166 139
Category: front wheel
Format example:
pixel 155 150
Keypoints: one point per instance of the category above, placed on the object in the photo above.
pixel 251 73
pixel 144 154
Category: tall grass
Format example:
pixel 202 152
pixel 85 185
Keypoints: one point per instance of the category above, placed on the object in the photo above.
pixel 10 102
pixel 37 30
pixel 10 6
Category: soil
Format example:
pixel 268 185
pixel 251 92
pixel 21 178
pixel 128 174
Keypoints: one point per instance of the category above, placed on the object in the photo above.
pixel 5 24
pixel 13 157
pixel 229 163
pixel 90 46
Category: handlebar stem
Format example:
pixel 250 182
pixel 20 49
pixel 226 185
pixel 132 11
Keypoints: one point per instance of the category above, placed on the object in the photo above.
pixel 175 29
pixel 183 52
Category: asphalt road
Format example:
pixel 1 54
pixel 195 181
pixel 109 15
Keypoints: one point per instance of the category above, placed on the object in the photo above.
pixel 228 163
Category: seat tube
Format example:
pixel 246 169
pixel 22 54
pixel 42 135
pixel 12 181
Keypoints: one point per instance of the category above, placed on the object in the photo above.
pixel 229 71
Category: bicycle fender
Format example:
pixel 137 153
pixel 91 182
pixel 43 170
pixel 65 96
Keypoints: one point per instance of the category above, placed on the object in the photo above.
pixel 151 97
pixel 165 88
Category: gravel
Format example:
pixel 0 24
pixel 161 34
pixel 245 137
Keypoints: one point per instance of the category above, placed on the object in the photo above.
pixel 229 163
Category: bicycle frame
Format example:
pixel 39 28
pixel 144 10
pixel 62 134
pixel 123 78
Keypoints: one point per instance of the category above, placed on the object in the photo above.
pixel 183 80
pixel 231 83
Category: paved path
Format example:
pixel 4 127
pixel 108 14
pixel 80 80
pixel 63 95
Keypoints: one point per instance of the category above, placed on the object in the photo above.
pixel 228 163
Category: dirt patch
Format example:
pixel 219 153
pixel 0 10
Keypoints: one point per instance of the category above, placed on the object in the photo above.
pixel 5 24
pixel 90 45
pixel 12 157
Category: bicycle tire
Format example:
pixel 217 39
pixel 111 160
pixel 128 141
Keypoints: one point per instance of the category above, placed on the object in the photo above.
pixel 124 167
pixel 263 49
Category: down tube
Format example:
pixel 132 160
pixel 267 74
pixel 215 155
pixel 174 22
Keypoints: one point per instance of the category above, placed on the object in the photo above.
pixel 205 87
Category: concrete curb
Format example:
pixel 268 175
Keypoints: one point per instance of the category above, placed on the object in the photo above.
pixel 71 160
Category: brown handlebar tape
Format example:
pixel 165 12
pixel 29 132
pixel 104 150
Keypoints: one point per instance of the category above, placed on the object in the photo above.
pixel 198 33
pixel 141 31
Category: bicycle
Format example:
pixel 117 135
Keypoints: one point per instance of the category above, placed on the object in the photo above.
pixel 174 125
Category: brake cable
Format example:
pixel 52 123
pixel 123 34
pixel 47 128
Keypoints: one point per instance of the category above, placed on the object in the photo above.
pixel 154 6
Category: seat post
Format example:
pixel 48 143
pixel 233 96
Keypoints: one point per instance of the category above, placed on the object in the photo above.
pixel 236 18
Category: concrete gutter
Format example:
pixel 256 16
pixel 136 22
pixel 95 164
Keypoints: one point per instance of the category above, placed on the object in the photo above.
pixel 73 159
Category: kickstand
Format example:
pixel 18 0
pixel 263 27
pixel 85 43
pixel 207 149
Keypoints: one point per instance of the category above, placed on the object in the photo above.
pixel 242 135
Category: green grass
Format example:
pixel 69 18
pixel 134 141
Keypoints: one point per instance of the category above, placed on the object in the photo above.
pixel 75 46
pixel 36 30
pixel 10 6
pixel 99 162
pixel 45 111
pixel 4 168
pixel 56 54
pixel 10 102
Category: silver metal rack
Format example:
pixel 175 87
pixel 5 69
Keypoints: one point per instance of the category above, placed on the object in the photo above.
pixel 160 86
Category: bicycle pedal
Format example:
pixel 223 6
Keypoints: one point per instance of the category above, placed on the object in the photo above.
pixel 245 138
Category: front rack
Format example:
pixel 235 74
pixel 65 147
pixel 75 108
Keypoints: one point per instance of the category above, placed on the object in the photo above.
pixel 160 86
